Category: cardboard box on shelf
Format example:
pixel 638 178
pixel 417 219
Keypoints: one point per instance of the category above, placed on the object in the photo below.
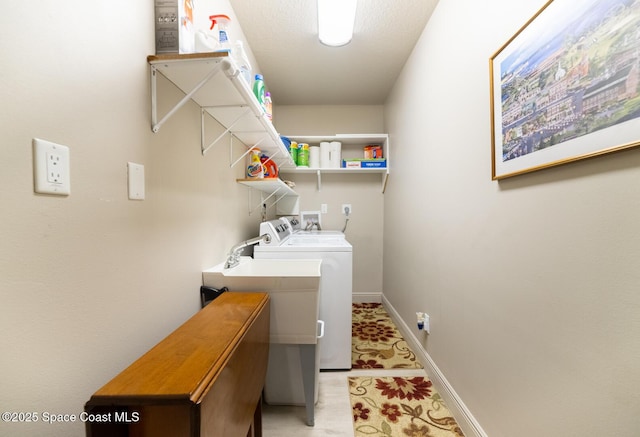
pixel 373 152
pixel 175 28
pixel 364 163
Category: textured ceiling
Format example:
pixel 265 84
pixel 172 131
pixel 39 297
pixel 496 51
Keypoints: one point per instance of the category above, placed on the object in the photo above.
pixel 299 70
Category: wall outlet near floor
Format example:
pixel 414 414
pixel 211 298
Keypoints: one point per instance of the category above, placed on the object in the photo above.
pixel 346 209
pixel 423 322
pixel 51 168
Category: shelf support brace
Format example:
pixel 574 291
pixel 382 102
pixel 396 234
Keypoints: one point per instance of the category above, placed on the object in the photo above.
pixel 245 153
pixel 279 198
pixel 263 200
pixel 155 125
pixel 275 202
pixel 273 156
pixel 226 131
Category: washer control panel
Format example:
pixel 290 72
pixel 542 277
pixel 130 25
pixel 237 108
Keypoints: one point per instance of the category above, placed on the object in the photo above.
pixel 279 230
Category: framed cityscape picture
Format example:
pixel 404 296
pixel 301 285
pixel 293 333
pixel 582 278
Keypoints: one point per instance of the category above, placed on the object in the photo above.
pixel 566 86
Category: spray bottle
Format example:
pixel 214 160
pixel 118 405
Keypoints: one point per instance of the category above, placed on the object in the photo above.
pixel 223 37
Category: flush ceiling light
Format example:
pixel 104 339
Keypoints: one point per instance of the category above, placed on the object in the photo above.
pixel 335 21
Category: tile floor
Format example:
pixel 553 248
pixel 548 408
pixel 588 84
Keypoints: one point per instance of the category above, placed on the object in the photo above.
pixel 333 410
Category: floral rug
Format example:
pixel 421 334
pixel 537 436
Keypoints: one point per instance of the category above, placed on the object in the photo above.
pixel 399 406
pixel 376 343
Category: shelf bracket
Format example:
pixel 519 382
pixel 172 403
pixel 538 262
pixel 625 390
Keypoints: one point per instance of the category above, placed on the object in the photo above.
pixel 263 199
pixel 233 164
pixel 319 174
pixel 155 124
pixel 385 178
pixel 225 132
pixel 274 155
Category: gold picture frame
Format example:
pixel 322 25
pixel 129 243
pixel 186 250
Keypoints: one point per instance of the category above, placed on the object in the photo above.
pixel 566 86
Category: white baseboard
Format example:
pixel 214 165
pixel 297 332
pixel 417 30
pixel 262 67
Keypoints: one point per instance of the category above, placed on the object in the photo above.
pixel 366 297
pixel 463 416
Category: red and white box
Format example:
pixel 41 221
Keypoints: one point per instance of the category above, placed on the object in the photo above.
pixel 373 152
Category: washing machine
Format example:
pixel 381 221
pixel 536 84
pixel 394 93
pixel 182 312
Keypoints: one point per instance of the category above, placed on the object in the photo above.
pixel 300 225
pixel 336 283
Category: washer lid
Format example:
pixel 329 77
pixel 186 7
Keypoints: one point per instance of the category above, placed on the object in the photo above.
pixel 315 241
pixel 314 233
pixel 322 244
pixel 308 244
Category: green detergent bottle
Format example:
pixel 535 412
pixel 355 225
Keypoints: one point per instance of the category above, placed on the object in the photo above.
pixel 258 90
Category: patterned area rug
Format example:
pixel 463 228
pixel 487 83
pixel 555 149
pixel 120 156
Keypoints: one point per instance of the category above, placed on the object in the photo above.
pixel 392 406
pixel 376 343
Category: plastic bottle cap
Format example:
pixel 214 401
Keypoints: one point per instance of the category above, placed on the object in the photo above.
pixel 258 77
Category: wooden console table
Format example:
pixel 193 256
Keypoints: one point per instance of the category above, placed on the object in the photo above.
pixel 205 379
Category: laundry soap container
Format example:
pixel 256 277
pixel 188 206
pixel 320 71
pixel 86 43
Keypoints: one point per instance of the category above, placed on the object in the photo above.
pixel 255 168
pixel 258 90
pixel 240 57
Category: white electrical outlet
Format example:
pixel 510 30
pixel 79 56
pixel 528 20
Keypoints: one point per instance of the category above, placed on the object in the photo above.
pixel 51 168
pixel 346 209
pixel 323 208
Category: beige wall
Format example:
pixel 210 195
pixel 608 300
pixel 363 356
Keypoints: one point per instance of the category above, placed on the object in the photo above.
pixel 363 192
pixel 532 282
pixel 90 281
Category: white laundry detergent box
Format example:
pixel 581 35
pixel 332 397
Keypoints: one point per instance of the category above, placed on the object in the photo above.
pixel 175 29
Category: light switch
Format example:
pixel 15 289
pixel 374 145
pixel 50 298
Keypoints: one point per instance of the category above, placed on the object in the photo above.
pixel 135 176
pixel 51 168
